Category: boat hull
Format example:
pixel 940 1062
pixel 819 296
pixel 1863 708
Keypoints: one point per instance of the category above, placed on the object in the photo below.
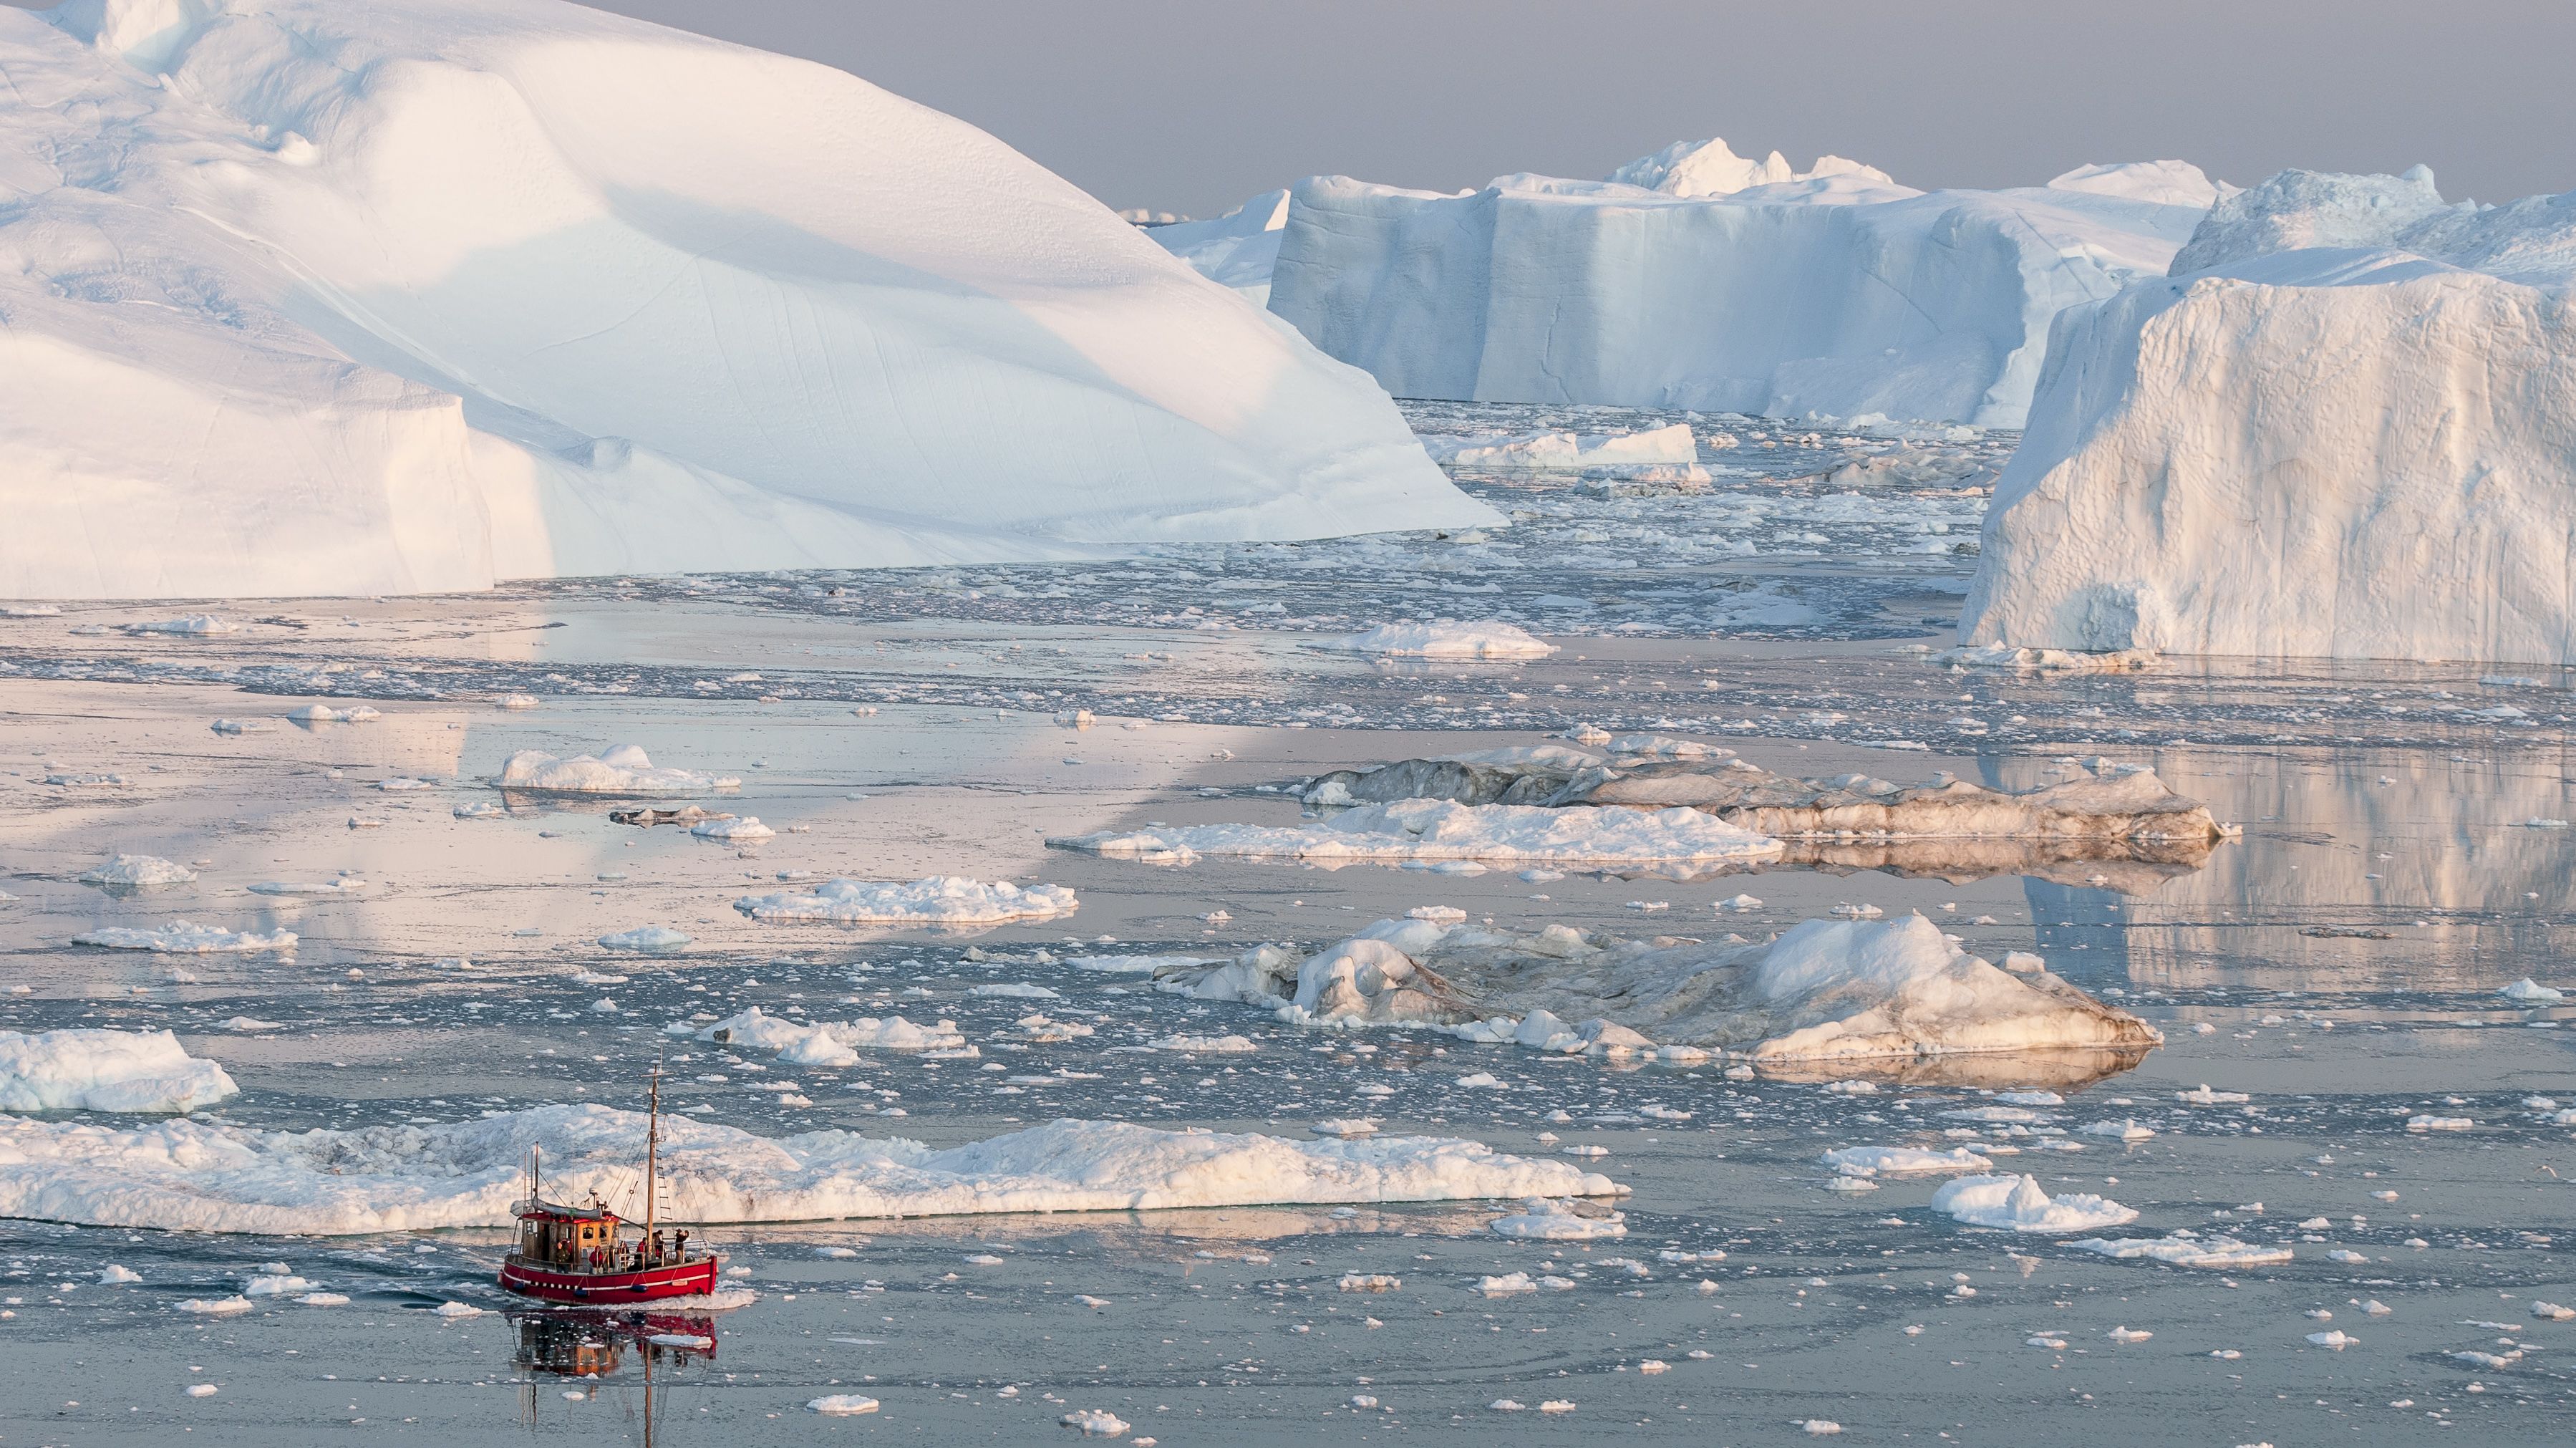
pixel 610 1289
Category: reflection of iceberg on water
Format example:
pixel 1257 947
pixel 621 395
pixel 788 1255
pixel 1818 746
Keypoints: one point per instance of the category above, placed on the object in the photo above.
pixel 2462 901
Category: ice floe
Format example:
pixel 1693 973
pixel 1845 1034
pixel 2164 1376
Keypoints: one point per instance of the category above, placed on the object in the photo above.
pixel 1424 830
pixel 1443 641
pixel 731 827
pixel 2182 1249
pixel 138 870
pixel 622 769
pixel 101 1070
pixel 190 1175
pixel 325 714
pixel 842 1405
pixel 1663 447
pixel 181 937
pixel 1904 1161
pixel 831 1043
pixel 936 900
pixel 1564 1219
pixel 2021 1204
pixel 647 939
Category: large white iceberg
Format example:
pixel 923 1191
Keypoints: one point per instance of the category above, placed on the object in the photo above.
pixel 2352 434
pixel 96 1070
pixel 1738 285
pixel 195 1176
pixel 347 296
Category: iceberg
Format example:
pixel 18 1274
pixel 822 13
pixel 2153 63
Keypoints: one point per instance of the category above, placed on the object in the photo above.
pixel 2343 427
pixel 1698 279
pixel 357 296
pixel 98 1070
pixel 184 1175
pixel 1236 250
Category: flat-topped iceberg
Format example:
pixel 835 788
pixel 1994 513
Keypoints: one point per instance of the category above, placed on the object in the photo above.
pixel 194 1176
pixel 1696 278
pixel 2345 426
pixel 356 296
pixel 98 1070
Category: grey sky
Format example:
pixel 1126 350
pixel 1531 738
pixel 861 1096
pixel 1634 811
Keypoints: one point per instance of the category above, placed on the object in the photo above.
pixel 1191 105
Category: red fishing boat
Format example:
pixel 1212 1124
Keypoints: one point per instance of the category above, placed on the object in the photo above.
pixel 581 1255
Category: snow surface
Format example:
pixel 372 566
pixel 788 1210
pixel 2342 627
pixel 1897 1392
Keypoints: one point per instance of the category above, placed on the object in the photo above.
pixel 2350 433
pixel 1436 830
pixel 618 769
pixel 1738 287
pixel 185 1175
pixel 937 900
pixel 414 295
pixel 96 1070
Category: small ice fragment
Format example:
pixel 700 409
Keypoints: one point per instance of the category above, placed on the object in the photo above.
pixel 844 1405
pixel 201 1390
pixel 2335 1338
pixel 1095 1422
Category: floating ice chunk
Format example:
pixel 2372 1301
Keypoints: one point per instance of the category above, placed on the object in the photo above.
pixel 1904 1161
pixel 2347 1256
pixel 2439 1123
pixel 1561 1220
pixel 1443 641
pixel 2527 989
pixel 1136 964
pixel 244 726
pixel 480 810
pixel 343 885
pixel 622 769
pixel 2128 1334
pixel 324 1299
pixel 2552 1311
pixel 2030 1098
pixel 1739 903
pixel 650 939
pixel 2125 1130
pixel 457 1309
pixel 831 1043
pixel 325 714
pixel 1506 1285
pixel 1671 446
pixel 1095 1422
pixel 1206 1045
pixel 1557 1405
pixel 1436 914
pixel 2203 1096
pixel 1368 1282
pixel 727 827
pixel 936 900
pixel 1016 990
pixel 182 937
pixel 843 1405
pixel 1852 1088
pixel 2020 1204
pixel 194 624
pixel 1345 1127
pixel 215 1306
pixel 1436 830
pixel 270 1284
pixel 112 1275
pixel 2048 661
pixel 405 784
pixel 1991 1114
pixel 138 870
pixel 202 1390
pixel 2335 1338
pixel 2183 1251
pixel 1483 1081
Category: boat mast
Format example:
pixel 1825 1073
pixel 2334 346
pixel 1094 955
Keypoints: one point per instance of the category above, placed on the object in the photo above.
pixel 652 1147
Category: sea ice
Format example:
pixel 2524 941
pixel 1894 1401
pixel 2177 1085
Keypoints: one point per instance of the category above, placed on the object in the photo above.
pixel 100 1070
pixel 2183 1250
pixel 2021 1204
pixel 843 1405
pixel 1443 641
pixel 728 827
pixel 621 769
pixel 937 900
pixel 831 1043
pixel 189 1175
pixel 1904 1161
pixel 185 938
pixel 1561 1220
pixel 1436 830
pixel 138 870
pixel 646 938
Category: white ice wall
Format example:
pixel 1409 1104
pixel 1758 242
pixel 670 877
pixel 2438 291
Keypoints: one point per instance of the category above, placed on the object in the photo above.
pixel 1838 293
pixel 2362 450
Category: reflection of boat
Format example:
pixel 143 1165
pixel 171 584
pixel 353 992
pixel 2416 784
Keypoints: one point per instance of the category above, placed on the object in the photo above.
pixel 578 1254
pixel 593 1345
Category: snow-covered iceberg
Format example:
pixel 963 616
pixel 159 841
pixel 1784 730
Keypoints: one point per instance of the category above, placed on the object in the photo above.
pixel 1696 278
pixel 194 1176
pixel 349 296
pixel 1236 250
pixel 96 1070
pixel 2345 426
